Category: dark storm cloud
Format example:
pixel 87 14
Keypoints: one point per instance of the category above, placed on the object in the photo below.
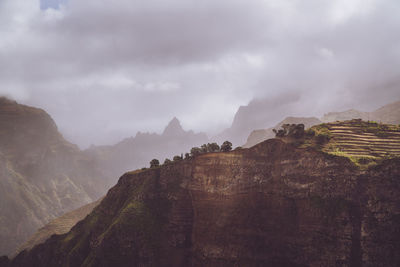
pixel 106 69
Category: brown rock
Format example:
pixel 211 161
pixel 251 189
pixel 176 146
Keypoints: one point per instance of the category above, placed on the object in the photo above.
pixel 270 205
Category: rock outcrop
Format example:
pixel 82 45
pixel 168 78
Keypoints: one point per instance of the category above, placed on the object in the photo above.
pixel 42 175
pixel 274 204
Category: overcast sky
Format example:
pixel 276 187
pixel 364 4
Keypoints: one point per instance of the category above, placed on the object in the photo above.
pixel 105 69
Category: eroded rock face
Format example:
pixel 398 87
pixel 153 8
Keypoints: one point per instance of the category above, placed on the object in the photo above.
pixel 270 205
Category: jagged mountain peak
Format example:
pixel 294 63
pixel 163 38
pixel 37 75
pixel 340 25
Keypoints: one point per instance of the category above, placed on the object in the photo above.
pixel 173 128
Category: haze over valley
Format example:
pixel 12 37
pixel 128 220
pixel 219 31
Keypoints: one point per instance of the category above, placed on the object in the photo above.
pixel 199 133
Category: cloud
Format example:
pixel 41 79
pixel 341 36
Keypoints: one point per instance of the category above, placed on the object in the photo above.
pixel 106 69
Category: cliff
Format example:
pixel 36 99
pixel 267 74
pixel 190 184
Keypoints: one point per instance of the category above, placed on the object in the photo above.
pixel 42 175
pixel 278 203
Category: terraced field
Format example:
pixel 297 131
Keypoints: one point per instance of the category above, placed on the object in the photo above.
pixel 362 139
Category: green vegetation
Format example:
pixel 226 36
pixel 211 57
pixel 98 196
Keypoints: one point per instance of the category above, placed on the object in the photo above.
pixel 376 128
pixel 154 163
pixel 290 130
pixel 177 158
pixel 226 146
pixel 195 151
pixel 321 133
pixel 362 162
pixel 210 148
pixel 364 143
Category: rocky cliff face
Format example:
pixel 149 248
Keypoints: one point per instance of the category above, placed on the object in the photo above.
pixel 271 205
pixel 41 174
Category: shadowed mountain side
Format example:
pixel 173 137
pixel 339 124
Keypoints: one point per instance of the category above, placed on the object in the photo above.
pixel 60 225
pixel 258 136
pixel 274 204
pixel 41 174
pixel 136 152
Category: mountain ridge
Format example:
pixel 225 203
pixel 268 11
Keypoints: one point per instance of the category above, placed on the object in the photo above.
pixel 274 204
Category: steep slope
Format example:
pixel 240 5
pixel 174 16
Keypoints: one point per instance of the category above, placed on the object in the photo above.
pixel 274 204
pixel 60 225
pixel 258 136
pixel 136 152
pixel 41 174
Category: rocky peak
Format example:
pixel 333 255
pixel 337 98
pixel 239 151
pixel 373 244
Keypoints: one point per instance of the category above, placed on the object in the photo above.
pixel 173 128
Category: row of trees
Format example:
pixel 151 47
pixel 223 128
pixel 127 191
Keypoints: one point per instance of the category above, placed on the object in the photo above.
pixel 205 148
pixel 290 130
pixel 211 147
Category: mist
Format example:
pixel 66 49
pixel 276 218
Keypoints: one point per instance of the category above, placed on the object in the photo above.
pixel 107 69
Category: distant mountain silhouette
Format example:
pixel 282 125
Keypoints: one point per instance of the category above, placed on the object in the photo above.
pixel 258 114
pixel 258 136
pixel 136 152
pixel 254 122
pixel 173 129
pixel 389 114
pixel 346 115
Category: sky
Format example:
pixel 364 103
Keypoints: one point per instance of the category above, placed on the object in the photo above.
pixel 106 69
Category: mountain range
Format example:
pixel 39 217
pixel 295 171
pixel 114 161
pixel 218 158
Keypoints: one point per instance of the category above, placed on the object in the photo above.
pixel 136 152
pixel 44 176
pixel 389 114
pixel 304 200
